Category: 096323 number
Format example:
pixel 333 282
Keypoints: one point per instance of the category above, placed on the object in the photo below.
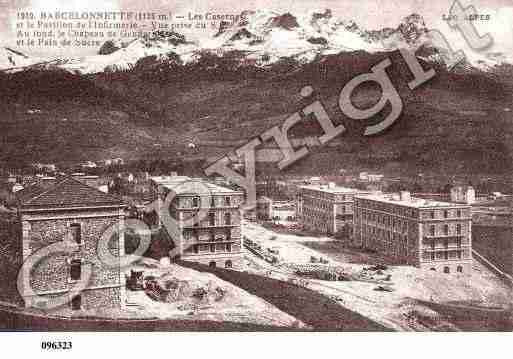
pixel 56 345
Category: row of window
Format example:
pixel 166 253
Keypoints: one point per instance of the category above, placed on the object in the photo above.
pixel 315 203
pixel 325 196
pixel 388 234
pixel 212 248
pixel 385 207
pixel 187 234
pixel 211 220
pixel 445 255
pixel 445 229
pixel 307 212
pixel 196 202
pixel 387 245
pixel 407 212
pixel 446 214
pixel 385 220
pixel 433 243
pixel 447 270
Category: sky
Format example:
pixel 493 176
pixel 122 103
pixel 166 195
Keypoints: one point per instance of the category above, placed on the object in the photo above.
pixel 370 14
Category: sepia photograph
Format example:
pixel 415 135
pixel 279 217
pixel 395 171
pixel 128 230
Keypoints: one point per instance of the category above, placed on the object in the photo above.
pixel 271 167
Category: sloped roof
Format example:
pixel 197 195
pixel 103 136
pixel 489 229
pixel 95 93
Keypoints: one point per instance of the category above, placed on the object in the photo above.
pixel 65 192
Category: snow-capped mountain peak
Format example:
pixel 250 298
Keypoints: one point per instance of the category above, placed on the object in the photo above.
pixel 263 37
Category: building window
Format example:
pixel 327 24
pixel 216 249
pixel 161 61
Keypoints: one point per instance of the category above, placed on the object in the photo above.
pixel 228 264
pixel 446 229
pixel 227 201
pixel 76 302
pixel 212 219
pixel 228 219
pixel 447 270
pixel 446 214
pixel 76 233
pixel 212 248
pixel 75 269
pixel 229 247
pixel 432 230
pixel 458 213
pixel 432 213
pixel 459 269
pixel 212 202
pixel 458 229
pixel 195 202
pixel 212 264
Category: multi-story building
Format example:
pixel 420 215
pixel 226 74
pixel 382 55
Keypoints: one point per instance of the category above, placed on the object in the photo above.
pixel 207 216
pixel 326 208
pixel 419 232
pixel 68 212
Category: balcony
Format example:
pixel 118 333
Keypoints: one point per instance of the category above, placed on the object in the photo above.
pixel 440 249
pixel 213 240
pixel 205 208
pixel 216 242
pixel 443 236
pixel 208 225
pixel 212 249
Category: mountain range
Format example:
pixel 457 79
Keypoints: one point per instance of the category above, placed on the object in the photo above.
pixel 263 36
pixel 154 95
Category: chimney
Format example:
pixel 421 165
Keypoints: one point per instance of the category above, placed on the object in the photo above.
pixel 405 196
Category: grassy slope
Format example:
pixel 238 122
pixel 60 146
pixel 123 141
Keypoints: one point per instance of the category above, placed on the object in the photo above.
pixel 458 118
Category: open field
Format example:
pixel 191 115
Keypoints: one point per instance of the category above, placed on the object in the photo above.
pixel 312 308
pixel 403 308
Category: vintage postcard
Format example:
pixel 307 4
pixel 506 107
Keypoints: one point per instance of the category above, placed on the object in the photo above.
pixel 256 166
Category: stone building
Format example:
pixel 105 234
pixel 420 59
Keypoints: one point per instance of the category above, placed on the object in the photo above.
pixel 215 237
pixel 419 232
pixel 326 208
pixel 63 211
